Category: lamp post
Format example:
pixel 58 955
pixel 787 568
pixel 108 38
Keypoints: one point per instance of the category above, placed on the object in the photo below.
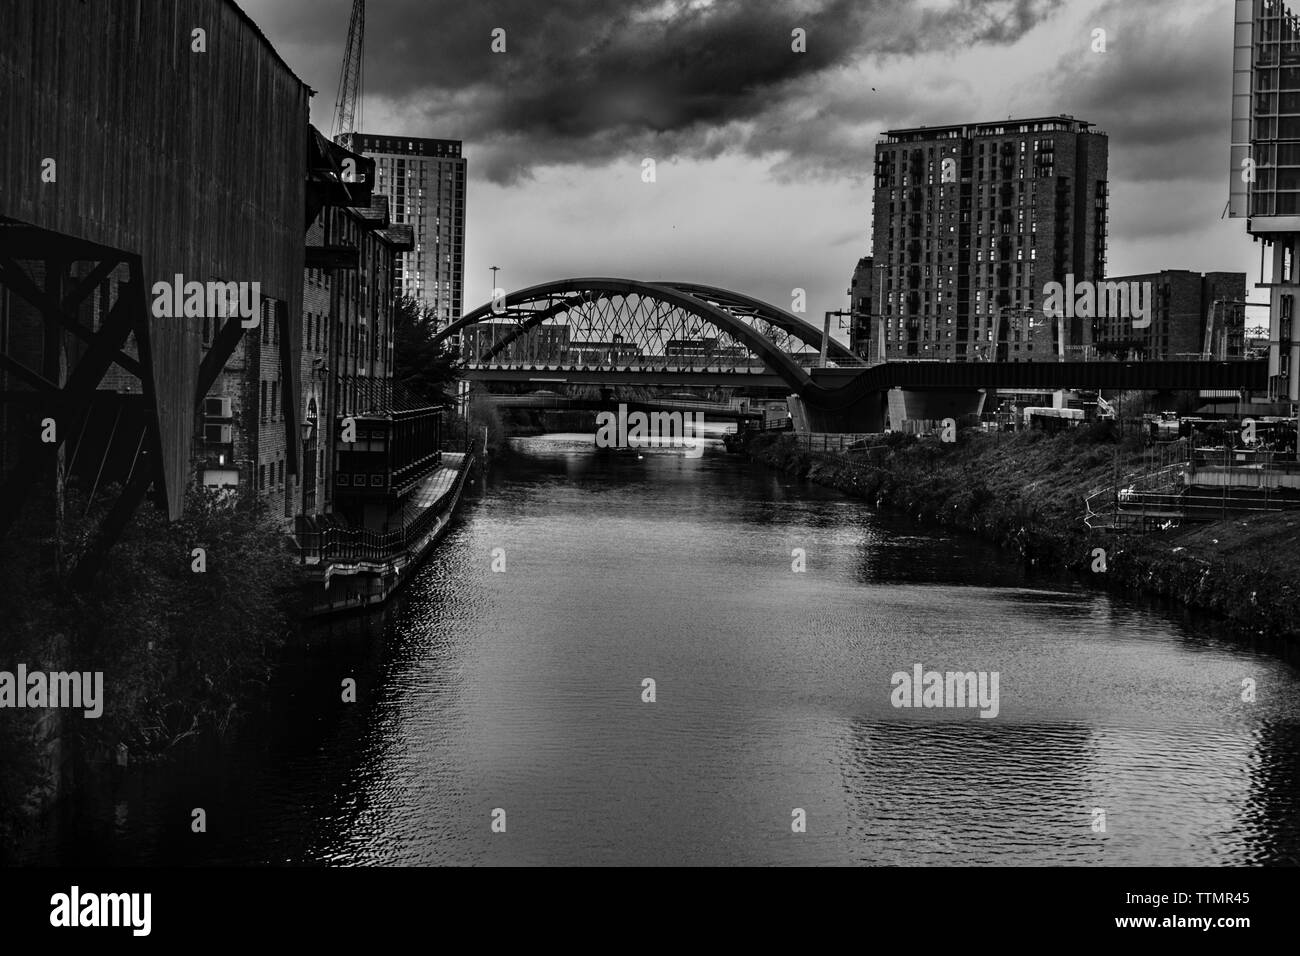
pixel 307 428
pixel 308 475
pixel 883 267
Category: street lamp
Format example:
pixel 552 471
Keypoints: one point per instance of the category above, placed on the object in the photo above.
pixel 308 430
pixel 883 268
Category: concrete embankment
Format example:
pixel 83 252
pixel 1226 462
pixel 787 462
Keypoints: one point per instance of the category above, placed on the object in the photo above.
pixel 1026 492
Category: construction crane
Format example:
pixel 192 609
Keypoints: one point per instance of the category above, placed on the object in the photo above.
pixel 348 103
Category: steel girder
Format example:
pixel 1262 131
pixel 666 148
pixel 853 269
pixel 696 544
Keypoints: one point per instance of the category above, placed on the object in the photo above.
pixel 57 305
pixel 661 317
pixel 751 323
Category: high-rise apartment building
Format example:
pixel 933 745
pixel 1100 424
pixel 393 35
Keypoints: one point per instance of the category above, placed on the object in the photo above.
pixel 424 180
pixel 1265 170
pixel 971 222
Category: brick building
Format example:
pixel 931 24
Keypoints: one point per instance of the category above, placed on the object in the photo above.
pixel 862 303
pixel 545 344
pixel 348 346
pixel 969 224
pixel 1183 305
pixel 241 443
pixel 345 366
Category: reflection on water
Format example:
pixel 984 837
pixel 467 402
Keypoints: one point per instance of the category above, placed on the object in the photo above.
pixel 522 691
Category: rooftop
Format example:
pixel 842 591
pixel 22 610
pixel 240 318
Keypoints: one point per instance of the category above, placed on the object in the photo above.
pixel 402 144
pixel 979 129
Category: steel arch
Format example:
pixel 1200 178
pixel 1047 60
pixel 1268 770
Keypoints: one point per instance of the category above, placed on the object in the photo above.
pixel 735 302
pixel 712 305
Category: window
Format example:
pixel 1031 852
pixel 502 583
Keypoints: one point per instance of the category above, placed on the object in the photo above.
pixel 261 406
pixel 261 477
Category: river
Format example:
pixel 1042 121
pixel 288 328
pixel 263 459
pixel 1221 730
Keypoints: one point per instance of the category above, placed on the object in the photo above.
pixel 1121 736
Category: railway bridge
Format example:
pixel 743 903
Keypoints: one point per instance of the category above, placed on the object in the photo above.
pixel 611 331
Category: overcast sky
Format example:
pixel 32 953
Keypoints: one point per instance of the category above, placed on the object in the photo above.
pixel 763 155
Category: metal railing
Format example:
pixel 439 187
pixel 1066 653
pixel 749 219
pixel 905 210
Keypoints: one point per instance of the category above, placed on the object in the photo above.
pixel 566 402
pixel 360 544
pixel 1201 507
pixel 1160 498
pixel 1101 507
pixel 834 442
pixel 1241 458
pixel 771 423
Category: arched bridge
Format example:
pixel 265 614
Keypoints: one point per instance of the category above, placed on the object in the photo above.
pixel 610 330
pixel 626 324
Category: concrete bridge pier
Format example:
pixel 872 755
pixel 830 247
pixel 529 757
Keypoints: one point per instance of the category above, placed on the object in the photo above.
pixel 867 414
pixel 874 410
pixel 933 404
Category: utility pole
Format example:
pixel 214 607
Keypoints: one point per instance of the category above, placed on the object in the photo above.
pixel 826 334
pixel 880 306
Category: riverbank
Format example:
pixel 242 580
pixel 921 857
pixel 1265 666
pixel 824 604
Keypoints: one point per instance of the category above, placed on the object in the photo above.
pixel 1026 492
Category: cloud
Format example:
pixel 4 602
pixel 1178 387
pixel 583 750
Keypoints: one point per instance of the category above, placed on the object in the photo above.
pixel 765 154
pixel 1162 90
pixel 586 81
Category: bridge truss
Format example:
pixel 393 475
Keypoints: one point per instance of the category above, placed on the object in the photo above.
pixel 594 326
pixel 626 325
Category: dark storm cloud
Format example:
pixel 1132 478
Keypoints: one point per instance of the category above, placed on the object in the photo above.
pixel 586 81
pixel 1162 91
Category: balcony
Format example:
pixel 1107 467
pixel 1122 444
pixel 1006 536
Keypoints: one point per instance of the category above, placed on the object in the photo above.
pixel 395 443
pixel 335 543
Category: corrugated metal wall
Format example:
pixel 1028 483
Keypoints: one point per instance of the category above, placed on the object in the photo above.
pixel 195 161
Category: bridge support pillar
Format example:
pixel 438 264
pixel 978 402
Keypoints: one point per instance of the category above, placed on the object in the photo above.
pixel 798 414
pixel 1166 400
pixel 933 405
pixel 867 414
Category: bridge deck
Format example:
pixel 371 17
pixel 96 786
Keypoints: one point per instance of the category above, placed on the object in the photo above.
pixel 1159 376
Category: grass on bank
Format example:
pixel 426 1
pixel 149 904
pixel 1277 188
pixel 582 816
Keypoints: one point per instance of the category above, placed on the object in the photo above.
pixel 1026 491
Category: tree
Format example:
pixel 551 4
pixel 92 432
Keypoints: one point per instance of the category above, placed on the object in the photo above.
pixel 186 647
pixel 421 365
